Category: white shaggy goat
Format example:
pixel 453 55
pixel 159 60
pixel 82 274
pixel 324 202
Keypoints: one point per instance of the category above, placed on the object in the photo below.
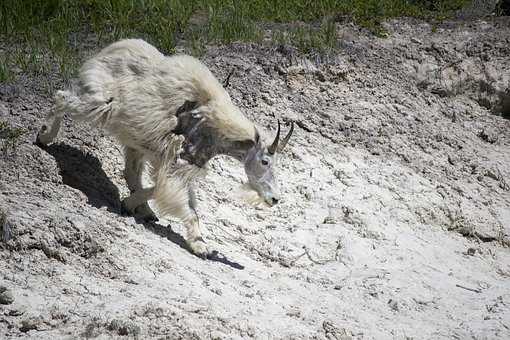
pixel 173 113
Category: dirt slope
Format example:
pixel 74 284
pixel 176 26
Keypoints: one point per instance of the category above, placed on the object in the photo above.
pixel 395 222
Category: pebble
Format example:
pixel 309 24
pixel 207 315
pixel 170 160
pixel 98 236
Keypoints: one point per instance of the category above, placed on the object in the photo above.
pixel 30 324
pixel 6 297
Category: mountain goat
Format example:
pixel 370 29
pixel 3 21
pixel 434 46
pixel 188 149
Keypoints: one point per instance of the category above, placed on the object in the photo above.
pixel 171 112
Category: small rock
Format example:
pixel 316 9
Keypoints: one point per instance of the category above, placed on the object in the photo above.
pixel 453 159
pixel 471 251
pixel 124 328
pixel 3 109
pixel 15 312
pixel 7 322
pixel 6 297
pixel 217 291
pixel 441 91
pixel 280 70
pixel 393 305
pixel 29 324
pixel 329 220
pixel 92 330
pixel 320 76
pixel 267 100
pixel 334 332
pixel 416 40
pixel 5 227
pixel 131 281
pixel 488 135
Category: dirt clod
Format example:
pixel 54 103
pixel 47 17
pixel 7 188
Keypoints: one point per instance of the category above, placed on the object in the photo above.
pixel 30 324
pixel 123 328
pixel 6 297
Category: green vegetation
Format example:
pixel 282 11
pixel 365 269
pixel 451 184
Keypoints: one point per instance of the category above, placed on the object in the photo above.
pixel 9 138
pixel 5 73
pixel 52 30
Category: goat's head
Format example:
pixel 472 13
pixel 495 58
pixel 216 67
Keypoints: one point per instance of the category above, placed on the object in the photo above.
pixel 260 163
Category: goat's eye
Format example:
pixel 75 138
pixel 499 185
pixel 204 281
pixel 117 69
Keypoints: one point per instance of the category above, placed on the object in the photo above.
pixel 264 162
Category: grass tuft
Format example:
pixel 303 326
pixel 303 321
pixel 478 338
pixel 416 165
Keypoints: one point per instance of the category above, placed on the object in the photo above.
pixel 9 138
pixel 5 70
pixel 53 29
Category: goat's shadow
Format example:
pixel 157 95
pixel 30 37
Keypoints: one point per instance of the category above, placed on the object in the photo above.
pixel 179 240
pixel 83 171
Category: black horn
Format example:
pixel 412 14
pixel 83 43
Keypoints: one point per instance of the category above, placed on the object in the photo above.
pixel 272 149
pixel 286 139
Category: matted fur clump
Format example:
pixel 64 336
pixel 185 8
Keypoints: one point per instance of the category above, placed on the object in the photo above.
pixel 133 91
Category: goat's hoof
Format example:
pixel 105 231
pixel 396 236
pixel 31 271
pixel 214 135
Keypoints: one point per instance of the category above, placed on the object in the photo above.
pixel 124 209
pixel 145 212
pixel 43 138
pixel 199 247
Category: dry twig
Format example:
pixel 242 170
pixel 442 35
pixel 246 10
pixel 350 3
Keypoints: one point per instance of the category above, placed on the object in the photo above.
pixel 476 290
pixel 226 82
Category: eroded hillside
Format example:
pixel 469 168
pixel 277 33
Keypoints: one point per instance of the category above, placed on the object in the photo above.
pixel 394 222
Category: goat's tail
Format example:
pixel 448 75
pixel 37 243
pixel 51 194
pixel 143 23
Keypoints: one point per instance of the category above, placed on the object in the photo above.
pixel 90 108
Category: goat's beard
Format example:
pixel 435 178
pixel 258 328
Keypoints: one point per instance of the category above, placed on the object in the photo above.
pixel 249 195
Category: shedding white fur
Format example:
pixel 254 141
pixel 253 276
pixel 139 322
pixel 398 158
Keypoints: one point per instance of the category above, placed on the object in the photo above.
pixel 247 194
pixel 134 93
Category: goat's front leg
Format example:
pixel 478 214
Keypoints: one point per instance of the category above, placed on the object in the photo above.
pixel 194 238
pixel 133 174
pixel 178 199
pixel 137 199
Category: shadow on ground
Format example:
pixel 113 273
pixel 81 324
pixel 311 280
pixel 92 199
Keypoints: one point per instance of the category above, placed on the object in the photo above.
pixel 176 238
pixel 83 171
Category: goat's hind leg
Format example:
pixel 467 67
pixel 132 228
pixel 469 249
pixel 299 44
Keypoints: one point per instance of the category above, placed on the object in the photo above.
pixel 133 174
pixel 137 199
pixel 51 126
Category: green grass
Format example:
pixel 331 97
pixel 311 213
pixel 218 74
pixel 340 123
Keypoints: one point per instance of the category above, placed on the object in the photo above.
pixel 9 138
pixel 309 39
pixel 5 70
pixel 53 29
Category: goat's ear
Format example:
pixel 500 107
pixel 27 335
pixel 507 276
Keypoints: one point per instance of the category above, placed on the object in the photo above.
pixel 245 144
pixel 248 143
pixel 254 142
pixel 186 107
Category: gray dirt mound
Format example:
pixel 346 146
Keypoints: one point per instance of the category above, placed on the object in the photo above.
pixel 394 222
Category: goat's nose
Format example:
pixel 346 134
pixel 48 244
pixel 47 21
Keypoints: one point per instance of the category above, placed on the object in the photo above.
pixel 274 200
